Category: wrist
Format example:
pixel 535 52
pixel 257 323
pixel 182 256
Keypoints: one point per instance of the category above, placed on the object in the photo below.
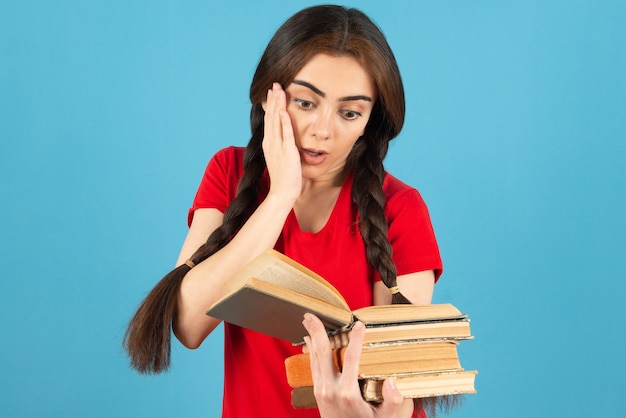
pixel 281 201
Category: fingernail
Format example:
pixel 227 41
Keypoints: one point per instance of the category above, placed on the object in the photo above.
pixel 392 383
pixel 358 325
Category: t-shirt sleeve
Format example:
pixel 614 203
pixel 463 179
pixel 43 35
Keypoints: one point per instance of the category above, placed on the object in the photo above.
pixel 219 182
pixel 411 234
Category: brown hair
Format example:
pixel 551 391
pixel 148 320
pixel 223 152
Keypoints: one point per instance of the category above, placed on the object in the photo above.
pixel 322 29
pixel 338 31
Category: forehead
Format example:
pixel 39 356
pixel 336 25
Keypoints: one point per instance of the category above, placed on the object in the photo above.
pixel 337 76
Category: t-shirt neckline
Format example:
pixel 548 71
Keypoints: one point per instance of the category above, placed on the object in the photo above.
pixel 344 193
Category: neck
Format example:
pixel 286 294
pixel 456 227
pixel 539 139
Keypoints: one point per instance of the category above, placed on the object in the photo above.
pixel 325 182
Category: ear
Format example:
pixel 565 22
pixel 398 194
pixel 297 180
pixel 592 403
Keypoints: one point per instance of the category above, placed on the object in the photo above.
pixel 264 105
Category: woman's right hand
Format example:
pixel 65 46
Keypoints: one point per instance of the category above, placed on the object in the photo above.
pixel 338 394
pixel 279 147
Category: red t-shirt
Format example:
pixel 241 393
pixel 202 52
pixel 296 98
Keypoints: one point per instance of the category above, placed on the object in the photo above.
pixel 255 382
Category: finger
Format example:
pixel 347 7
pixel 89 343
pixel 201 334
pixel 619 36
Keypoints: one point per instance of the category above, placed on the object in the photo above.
pixel 352 356
pixel 272 107
pixel 286 128
pixel 336 341
pixel 280 95
pixel 320 351
pixel 281 123
pixel 274 113
pixel 392 398
pixel 283 119
pixel 269 111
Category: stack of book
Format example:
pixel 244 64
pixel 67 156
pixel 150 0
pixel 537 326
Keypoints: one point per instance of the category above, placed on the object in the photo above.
pixel 415 344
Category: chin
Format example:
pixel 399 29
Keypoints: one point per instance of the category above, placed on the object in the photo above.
pixel 321 172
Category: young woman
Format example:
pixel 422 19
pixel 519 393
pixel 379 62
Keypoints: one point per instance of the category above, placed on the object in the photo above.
pixel 327 98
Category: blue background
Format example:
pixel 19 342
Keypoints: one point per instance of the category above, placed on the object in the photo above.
pixel 515 135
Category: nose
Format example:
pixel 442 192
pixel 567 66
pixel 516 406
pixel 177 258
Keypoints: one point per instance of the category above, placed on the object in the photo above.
pixel 322 125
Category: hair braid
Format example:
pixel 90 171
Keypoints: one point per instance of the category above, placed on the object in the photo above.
pixel 240 209
pixel 368 195
pixel 148 336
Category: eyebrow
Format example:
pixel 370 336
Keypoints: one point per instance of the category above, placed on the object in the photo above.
pixel 322 94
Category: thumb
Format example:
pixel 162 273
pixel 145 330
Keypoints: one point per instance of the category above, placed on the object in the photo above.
pixel 392 399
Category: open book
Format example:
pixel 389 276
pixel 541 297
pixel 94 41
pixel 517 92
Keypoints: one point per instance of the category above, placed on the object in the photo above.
pixel 273 292
pixel 414 343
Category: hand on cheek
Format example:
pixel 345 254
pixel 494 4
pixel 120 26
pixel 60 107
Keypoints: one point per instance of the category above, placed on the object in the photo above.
pixel 279 147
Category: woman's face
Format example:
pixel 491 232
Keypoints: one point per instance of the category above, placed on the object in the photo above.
pixel 329 101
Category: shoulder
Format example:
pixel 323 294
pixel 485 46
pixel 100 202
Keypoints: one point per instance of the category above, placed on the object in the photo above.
pixel 219 182
pixel 396 191
pixel 229 155
pixel 226 163
pixel 410 230
pixel 233 151
pixel 403 201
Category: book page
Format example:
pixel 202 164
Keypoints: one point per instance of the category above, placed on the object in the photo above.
pixel 276 311
pixel 397 314
pixel 274 267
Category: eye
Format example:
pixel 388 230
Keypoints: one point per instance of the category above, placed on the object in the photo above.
pixel 350 114
pixel 304 104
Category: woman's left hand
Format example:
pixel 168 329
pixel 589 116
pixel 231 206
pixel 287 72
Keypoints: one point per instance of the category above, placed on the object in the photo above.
pixel 338 393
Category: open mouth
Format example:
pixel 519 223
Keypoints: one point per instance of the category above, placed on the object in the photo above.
pixel 313 157
pixel 313 153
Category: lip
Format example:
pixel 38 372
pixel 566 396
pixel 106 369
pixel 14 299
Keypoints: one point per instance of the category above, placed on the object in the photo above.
pixel 312 156
pixel 313 151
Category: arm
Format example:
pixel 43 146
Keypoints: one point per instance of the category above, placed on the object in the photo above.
pixel 202 286
pixel 204 222
pixel 417 287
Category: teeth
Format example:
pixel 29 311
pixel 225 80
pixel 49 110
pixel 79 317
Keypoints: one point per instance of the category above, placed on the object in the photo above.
pixel 314 154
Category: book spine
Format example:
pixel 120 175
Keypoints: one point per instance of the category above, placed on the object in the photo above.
pixel 424 385
pixel 401 359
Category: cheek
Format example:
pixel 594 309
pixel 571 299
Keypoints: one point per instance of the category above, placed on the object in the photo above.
pixel 352 132
pixel 347 143
pixel 356 128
